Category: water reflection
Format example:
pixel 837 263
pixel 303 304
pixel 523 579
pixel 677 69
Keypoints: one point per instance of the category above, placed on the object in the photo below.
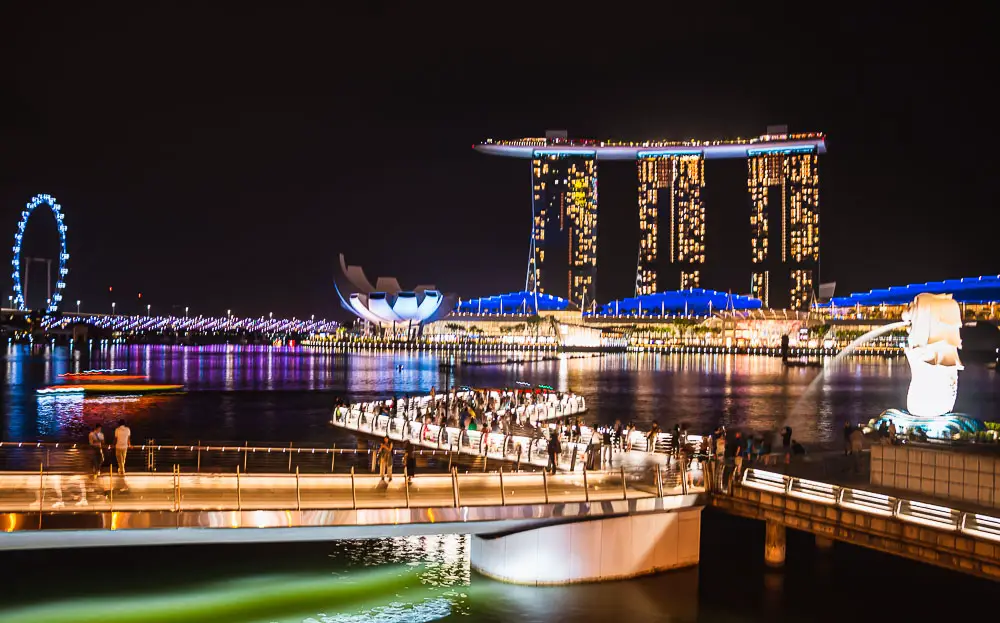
pixel 227 387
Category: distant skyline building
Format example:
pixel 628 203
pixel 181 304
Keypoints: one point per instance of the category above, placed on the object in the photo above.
pixel 670 202
pixel 563 255
pixel 783 187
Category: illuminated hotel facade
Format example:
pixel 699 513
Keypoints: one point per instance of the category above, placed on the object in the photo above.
pixel 563 256
pixel 783 185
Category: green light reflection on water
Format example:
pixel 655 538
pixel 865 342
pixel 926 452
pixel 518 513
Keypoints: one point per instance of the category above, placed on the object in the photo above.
pixel 416 580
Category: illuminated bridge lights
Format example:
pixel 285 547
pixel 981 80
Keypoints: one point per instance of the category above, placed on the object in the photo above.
pixel 54 297
pixel 196 324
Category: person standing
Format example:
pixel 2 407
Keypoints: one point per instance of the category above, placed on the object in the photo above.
pixel 606 447
pixel 123 434
pixel 786 443
pixel 385 459
pixel 857 443
pixel 409 461
pixel 96 442
pixel 554 449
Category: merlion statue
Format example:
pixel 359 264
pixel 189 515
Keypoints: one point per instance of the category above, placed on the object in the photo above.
pixel 932 351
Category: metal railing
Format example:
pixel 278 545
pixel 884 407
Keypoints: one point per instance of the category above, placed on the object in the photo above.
pixel 237 490
pixel 415 425
pixel 910 511
pixel 214 457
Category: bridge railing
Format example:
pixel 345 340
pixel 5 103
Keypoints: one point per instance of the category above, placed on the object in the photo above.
pixel 872 503
pixel 214 457
pixel 175 490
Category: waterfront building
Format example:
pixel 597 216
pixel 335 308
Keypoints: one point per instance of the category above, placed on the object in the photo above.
pixel 979 298
pixel 673 243
pixel 563 253
pixel 783 183
pixel 386 305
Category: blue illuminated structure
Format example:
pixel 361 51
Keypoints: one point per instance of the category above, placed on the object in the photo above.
pixel 524 303
pixel 386 303
pixel 54 297
pixel 694 301
pixel 971 290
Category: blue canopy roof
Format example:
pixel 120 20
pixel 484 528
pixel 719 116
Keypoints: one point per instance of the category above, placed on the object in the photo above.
pixel 512 303
pixel 692 301
pixel 984 289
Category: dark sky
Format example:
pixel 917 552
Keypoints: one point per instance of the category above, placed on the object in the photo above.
pixel 223 157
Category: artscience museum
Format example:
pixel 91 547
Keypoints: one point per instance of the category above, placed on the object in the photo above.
pixel 386 304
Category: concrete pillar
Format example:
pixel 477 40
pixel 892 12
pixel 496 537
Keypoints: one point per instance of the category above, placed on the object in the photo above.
pixel 592 551
pixel 824 543
pixel 774 544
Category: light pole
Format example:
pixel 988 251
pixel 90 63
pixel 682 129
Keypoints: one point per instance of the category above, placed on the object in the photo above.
pixel 112 309
pixel 185 312
pixel 229 312
pixel 147 309
pixel 270 315
pixel 78 306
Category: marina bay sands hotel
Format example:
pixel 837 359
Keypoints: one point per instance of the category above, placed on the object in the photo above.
pixel 783 212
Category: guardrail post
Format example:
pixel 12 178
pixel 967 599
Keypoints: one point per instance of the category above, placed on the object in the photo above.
pixel 177 488
pixel 586 491
pixel 298 492
pixel 198 465
pixel 41 492
pixel 333 457
pixel 454 487
pixel 406 485
pixel 545 484
pixel 290 456
pixel 503 496
pixel 354 493
pixel 246 452
pixel 659 481
pixel 624 488
pixel 684 476
pixel 239 490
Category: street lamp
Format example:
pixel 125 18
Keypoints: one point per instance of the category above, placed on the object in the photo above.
pixel 78 306
pixel 270 315
pixel 112 309
pixel 185 312
pixel 313 317
pixel 229 312
pixel 147 309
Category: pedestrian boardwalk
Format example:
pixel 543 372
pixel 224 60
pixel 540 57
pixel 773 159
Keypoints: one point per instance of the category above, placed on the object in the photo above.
pixel 528 446
pixel 61 492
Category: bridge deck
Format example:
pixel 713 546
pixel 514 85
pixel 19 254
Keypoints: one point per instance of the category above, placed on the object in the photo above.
pixel 56 492
pixel 528 446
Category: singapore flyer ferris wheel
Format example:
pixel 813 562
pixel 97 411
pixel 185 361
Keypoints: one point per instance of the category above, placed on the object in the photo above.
pixel 54 296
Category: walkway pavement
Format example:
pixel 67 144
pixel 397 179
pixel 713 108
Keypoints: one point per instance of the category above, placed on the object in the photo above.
pixel 21 491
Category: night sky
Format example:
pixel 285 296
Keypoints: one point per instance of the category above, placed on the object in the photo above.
pixel 223 157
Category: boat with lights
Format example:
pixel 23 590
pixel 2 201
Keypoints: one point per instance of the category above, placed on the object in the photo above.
pixel 109 388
